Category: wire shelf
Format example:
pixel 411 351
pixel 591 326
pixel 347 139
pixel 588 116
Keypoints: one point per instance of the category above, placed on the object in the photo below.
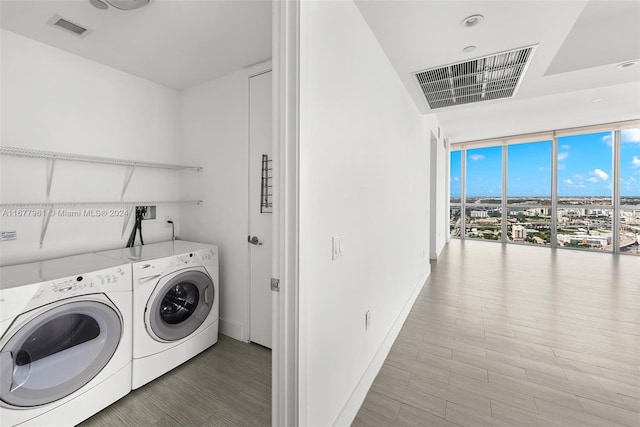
pixel 107 204
pixel 42 154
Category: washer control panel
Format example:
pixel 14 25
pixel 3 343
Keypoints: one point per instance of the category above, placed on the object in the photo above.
pixel 193 258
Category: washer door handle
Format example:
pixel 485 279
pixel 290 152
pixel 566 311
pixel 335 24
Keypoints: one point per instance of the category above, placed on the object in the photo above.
pixel 148 278
pixel 145 266
pixel 206 300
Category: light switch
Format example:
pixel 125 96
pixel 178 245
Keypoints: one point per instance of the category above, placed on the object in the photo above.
pixel 338 246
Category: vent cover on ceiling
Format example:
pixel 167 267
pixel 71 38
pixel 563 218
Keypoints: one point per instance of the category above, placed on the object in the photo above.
pixel 67 25
pixel 482 79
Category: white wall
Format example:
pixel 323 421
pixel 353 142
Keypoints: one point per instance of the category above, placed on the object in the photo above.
pixel 364 175
pixel 56 101
pixel 215 119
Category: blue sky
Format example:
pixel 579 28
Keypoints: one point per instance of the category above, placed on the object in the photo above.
pixel 584 167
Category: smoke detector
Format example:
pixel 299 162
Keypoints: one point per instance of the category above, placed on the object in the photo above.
pixel 472 21
pixel 490 77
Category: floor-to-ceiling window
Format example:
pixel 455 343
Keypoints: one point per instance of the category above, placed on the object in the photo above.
pixel 529 192
pixel 575 189
pixel 455 193
pixel 629 228
pixel 483 193
pixel 585 191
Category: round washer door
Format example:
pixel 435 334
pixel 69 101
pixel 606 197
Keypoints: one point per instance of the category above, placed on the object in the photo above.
pixel 179 305
pixel 58 350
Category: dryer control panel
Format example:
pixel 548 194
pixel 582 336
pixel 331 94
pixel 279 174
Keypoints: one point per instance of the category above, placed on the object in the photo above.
pixel 14 301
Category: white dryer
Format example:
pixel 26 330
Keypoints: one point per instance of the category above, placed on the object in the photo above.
pixel 65 339
pixel 175 304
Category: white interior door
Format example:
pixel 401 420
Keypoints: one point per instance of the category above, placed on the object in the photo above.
pixel 260 208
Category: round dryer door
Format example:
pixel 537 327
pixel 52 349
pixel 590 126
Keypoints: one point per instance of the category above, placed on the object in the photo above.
pixel 56 351
pixel 179 305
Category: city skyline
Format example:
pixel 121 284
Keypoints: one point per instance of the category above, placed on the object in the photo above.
pixel 585 164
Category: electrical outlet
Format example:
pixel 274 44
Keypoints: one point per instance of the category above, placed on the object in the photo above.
pixel 367 320
pixel 150 212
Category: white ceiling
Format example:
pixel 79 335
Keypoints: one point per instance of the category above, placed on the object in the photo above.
pixel 579 44
pixel 176 43
pixel 181 43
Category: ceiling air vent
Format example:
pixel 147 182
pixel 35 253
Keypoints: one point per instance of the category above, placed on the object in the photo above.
pixel 67 25
pixel 482 79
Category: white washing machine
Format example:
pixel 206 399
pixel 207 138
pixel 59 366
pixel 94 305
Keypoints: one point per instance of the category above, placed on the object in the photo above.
pixel 175 304
pixel 65 339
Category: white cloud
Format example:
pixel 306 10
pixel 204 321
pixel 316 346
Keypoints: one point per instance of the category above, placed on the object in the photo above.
pixel 630 182
pixel 562 156
pixel 628 136
pixel 600 174
pixel 572 184
pixel 561 166
pixel 578 176
pixel 476 157
pixel 456 179
pixel 631 135
pixel 592 179
pixel 636 162
pixel 565 146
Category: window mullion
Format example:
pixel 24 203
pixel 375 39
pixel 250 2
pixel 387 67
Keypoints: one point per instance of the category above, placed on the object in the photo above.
pixel 554 191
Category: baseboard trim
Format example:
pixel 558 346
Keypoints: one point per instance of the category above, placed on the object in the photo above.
pixel 231 329
pixel 436 254
pixel 353 404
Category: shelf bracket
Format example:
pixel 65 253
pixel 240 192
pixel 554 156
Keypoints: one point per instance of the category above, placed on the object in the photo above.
pixel 51 165
pixel 45 222
pixel 127 220
pixel 127 179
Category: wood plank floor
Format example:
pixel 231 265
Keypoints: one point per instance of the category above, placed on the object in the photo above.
pixel 511 335
pixel 227 385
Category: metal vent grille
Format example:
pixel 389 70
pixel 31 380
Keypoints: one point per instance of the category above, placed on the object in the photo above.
pixel 482 79
pixel 65 24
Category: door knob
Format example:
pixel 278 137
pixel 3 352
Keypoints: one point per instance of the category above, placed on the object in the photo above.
pixel 254 240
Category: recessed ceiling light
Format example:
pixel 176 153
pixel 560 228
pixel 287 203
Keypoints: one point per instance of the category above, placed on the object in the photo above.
pixel 472 20
pixel 597 99
pixel 469 49
pixel 627 64
pixel 119 4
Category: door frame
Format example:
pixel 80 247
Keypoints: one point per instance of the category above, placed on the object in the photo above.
pixel 432 215
pixel 285 262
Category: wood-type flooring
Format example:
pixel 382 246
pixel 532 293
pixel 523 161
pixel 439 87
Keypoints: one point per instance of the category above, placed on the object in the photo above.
pixel 514 335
